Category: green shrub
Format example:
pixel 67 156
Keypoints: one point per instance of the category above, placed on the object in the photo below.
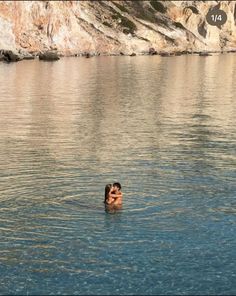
pixel 121 7
pixel 107 24
pixel 194 9
pixel 158 6
pixel 125 22
pixel 202 29
pixel 179 25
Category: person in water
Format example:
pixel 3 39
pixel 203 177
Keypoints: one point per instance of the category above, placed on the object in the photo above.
pixel 113 194
pixel 118 193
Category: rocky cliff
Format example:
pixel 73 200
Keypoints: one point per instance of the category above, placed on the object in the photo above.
pixel 114 27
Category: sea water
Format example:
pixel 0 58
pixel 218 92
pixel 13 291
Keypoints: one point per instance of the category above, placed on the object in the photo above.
pixel 165 128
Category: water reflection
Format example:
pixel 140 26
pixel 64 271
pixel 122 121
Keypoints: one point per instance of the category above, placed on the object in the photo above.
pixel 164 128
pixel 112 209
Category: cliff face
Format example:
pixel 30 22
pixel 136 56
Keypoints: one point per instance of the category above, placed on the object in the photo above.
pixel 111 27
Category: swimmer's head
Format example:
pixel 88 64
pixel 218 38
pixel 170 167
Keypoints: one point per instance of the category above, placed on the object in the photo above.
pixel 117 186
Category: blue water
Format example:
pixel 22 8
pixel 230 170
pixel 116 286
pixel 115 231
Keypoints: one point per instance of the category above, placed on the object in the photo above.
pixel 166 129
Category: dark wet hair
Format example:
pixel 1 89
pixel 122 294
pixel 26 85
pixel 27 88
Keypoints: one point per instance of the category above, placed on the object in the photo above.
pixel 107 191
pixel 117 184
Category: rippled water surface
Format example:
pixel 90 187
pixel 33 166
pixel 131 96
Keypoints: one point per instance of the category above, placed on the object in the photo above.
pixel 165 128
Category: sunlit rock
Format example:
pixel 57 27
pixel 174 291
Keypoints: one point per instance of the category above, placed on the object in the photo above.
pixel 111 27
pixel 49 56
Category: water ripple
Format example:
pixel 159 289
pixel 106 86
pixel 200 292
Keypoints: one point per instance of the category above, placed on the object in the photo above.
pixel 166 135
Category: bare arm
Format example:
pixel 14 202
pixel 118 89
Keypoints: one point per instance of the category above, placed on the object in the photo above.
pixel 110 200
pixel 117 195
pixel 114 196
pixel 118 201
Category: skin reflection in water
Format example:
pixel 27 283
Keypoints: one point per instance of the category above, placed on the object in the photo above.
pixel 112 209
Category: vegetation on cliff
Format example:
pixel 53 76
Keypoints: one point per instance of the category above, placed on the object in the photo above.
pixel 114 27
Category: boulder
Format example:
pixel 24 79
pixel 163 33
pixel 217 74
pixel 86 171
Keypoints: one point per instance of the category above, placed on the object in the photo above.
pixel 181 52
pixel 49 56
pixel 10 56
pixel 1 57
pixel 164 54
pixel 28 57
pixel 152 51
pixel 204 54
pixel 178 53
pixel 133 54
pixel 87 55
pixel 186 52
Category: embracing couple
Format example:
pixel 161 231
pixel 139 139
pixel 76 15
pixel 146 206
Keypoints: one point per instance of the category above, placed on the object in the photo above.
pixel 113 194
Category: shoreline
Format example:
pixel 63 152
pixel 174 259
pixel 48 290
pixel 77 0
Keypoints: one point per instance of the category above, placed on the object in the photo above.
pixel 9 56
